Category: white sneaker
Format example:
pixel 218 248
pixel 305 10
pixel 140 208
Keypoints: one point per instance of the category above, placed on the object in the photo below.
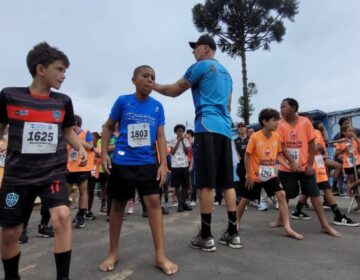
pixel 130 210
pixel 216 203
pixel 192 203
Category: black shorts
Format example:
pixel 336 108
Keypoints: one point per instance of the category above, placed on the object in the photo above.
pixel 124 179
pixel 271 187
pixel 213 161
pixel 350 170
pixel 77 177
pixel 180 177
pixel 324 185
pixel 293 181
pixel 16 202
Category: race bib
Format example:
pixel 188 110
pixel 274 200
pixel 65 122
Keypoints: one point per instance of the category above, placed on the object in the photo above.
pixel 2 159
pixel 266 172
pixel 39 138
pixel 138 135
pixel 351 160
pixel 295 154
pixel 181 159
pixel 320 161
pixel 73 154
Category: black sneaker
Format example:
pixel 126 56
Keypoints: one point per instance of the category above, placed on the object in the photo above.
pixel 23 237
pixel 180 208
pixel 80 222
pixel 165 210
pixel 90 216
pixel 187 207
pixel 45 231
pixel 144 213
pixel 345 221
pixel 233 241
pixel 299 216
pixel 207 244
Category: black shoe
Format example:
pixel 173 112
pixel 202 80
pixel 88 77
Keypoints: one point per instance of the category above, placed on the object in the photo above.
pixel 145 214
pixel 80 222
pixel 45 231
pixel 23 237
pixel 180 208
pixel 165 210
pixel 90 216
pixel 187 207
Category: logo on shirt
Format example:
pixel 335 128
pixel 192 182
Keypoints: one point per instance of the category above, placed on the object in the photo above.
pixel 21 112
pixel 12 199
pixel 267 152
pixel 57 115
pixel 293 135
pixel 157 109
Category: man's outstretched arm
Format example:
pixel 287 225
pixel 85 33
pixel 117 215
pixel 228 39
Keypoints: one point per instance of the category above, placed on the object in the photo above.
pixel 173 90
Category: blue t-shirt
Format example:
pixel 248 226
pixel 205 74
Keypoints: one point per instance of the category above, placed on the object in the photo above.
pixel 88 137
pixel 211 90
pixel 138 124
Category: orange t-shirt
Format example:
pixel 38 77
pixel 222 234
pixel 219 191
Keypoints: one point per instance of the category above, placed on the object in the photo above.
pixel 263 154
pixel 73 164
pixel 319 164
pixel 347 159
pixel 296 140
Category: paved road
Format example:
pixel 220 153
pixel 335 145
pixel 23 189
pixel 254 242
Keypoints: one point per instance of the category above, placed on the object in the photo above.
pixel 266 254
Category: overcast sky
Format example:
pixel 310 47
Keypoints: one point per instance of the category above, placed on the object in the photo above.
pixel 317 62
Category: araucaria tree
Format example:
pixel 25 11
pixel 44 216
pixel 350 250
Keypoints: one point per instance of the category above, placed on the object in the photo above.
pixel 244 25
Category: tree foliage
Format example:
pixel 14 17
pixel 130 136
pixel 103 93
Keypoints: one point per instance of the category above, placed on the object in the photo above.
pixel 242 111
pixel 244 25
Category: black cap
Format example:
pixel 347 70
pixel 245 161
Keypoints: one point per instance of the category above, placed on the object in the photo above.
pixel 204 40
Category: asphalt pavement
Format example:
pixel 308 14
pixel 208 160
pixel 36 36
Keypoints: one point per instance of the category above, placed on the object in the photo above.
pixel 266 253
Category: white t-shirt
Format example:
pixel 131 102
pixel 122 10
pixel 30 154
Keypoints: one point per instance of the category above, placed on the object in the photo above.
pixel 179 159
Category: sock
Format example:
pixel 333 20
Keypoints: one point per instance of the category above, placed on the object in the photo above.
pixel 232 222
pixel 62 261
pixel 299 207
pixel 82 212
pixel 205 225
pixel 336 211
pixel 11 268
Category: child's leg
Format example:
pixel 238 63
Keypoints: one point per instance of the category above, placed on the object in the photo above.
pixel 240 209
pixel 152 203
pixel 61 222
pixel 115 223
pixel 10 250
pixel 283 218
pixel 315 201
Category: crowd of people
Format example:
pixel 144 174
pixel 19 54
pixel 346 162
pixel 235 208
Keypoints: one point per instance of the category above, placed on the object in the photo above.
pixel 45 152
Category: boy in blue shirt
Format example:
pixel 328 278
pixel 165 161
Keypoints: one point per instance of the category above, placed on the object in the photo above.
pixel 134 163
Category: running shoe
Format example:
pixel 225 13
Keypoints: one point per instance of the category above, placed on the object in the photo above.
pixel 207 244
pixel 90 216
pixel 345 221
pixel 299 216
pixel 187 207
pixel 233 241
pixel 24 236
pixel 80 222
pixel 165 210
pixel 45 231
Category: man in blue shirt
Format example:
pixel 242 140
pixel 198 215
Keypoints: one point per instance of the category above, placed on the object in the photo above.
pixel 211 87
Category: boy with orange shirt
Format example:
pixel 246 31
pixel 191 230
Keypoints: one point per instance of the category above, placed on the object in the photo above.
pixel 298 147
pixel 261 155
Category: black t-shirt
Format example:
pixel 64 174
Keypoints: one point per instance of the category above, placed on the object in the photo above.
pixel 240 144
pixel 36 152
